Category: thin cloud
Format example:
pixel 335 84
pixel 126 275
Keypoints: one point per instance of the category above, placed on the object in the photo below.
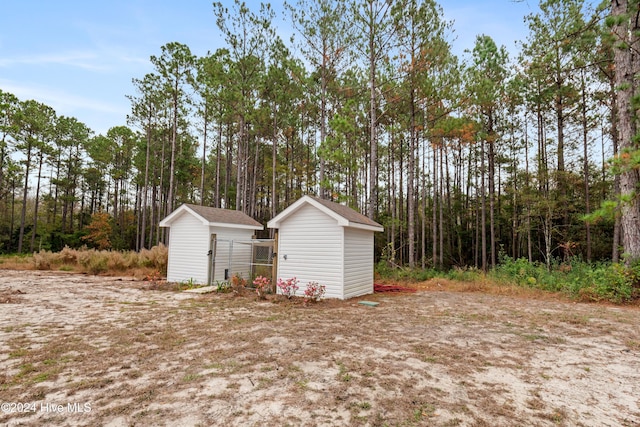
pixel 83 60
pixel 61 101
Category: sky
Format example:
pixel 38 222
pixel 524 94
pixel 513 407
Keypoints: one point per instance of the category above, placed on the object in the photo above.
pixel 80 56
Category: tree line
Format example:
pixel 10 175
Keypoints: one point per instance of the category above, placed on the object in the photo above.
pixel 462 160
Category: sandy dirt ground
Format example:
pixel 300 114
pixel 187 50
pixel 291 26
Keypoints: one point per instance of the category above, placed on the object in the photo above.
pixel 79 350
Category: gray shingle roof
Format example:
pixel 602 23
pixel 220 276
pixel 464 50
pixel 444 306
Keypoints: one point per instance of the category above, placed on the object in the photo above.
pixel 346 212
pixel 225 216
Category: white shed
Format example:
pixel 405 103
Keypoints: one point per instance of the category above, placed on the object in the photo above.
pixel 201 242
pixel 326 242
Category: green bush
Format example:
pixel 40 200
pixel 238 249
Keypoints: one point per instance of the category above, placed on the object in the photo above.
pixel 578 279
pixel 467 274
pixel 607 282
pixel 523 273
pixel 405 273
pixel 604 281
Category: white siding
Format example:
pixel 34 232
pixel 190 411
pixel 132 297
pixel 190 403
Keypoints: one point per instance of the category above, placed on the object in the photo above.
pixel 312 243
pixel 358 262
pixel 188 247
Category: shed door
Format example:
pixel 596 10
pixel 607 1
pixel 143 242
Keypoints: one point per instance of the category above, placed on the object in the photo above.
pixel 212 258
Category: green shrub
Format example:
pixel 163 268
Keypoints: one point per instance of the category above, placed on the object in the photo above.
pixel 578 279
pixel 608 282
pixel 604 281
pixel 405 273
pixel 466 274
pixel 223 287
pixel 521 272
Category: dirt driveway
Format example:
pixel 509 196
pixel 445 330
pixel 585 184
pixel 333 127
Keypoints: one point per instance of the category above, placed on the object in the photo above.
pixel 85 350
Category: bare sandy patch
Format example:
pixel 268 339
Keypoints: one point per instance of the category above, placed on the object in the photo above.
pixel 82 350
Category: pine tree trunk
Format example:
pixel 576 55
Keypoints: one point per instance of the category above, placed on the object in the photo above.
pixel 23 213
pixel 483 212
pixel 274 165
pixel 216 197
pixel 240 169
pixel 492 193
pixel 441 208
pixel 434 210
pixel 323 117
pixel 626 65
pixel 37 202
pixel 172 165
pixel 615 250
pixel 585 140
pixel 204 152
pixel 411 207
pixel 145 191
pixel 373 169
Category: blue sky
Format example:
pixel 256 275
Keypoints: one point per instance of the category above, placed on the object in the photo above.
pixel 79 57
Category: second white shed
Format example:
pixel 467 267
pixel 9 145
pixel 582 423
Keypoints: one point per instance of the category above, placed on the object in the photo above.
pixel 326 242
pixel 204 243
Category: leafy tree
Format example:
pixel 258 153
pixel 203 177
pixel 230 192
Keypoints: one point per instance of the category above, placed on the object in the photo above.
pixel 122 142
pixel 422 51
pixel 8 107
pixel 552 51
pixel 488 75
pixel 98 231
pixel 374 20
pixel 327 35
pixel 346 143
pixel 71 140
pixel 175 68
pixel 247 35
pixel 281 93
pixel 368 109
pixel 33 125
pixel 145 112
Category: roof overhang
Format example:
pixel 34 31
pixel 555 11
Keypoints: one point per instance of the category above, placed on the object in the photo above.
pixel 304 200
pixel 364 226
pixel 184 209
pixel 230 225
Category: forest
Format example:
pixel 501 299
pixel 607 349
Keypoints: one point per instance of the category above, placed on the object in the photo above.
pixel 464 161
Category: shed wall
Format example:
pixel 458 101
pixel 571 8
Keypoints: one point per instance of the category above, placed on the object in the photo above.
pixel 358 262
pixel 188 247
pixel 312 243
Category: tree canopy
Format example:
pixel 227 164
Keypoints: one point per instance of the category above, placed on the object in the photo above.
pixel 462 160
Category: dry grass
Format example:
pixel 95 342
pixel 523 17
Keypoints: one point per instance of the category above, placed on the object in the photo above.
pixel 92 261
pixel 144 356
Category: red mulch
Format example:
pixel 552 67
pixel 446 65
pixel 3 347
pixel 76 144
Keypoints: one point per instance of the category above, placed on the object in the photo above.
pixel 377 287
